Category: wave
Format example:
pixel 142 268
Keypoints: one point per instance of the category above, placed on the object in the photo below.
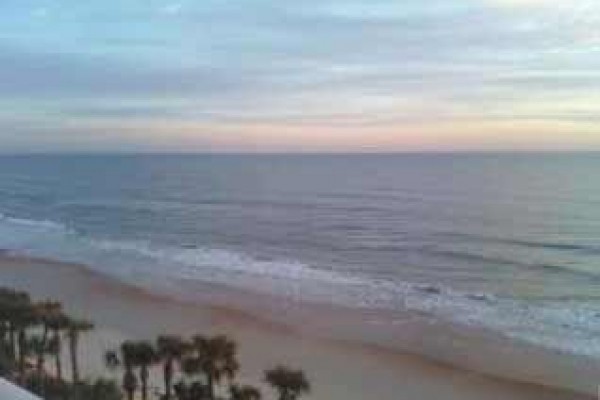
pixel 589 249
pixel 36 224
pixel 56 240
pixel 201 258
pixel 574 270
pixel 158 266
pixel 470 256
pixel 548 245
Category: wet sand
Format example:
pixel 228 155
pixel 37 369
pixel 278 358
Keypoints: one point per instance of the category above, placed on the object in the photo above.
pixel 338 369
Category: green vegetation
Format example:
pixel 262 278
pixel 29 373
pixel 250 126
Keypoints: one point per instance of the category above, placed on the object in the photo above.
pixel 30 332
pixel 199 368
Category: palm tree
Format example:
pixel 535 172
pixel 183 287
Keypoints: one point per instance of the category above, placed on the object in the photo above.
pixel 24 317
pixel 6 299
pixel 289 383
pixel 53 349
pixel 244 393
pixel 192 388
pixel 218 358
pixel 12 304
pixel 74 329
pixel 16 317
pixel 144 357
pixel 170 348
pixel 36 345
pixel 46 312
pixel 127 360
pixel 58 324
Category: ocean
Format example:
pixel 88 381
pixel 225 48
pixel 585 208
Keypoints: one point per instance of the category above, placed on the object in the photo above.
pixel 506 242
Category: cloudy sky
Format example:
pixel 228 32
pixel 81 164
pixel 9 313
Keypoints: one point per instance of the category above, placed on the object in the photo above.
pixel 304 75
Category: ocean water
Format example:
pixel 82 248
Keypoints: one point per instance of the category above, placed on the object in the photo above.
pixel 508 242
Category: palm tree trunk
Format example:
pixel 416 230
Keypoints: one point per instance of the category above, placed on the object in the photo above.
pixel 22 345
pixel 12 341
pixel 144 380
pixel 211 387
pixel 58 355
pixel 73 341
pixel 41 354
pixel 284 394
pixel 168 375
pixel 129 382
pixel 58 366
pixel 3 335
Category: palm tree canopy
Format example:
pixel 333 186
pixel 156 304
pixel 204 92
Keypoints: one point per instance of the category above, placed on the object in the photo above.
pixel 15 306
pixel 140 353
pixel 218 355
pixel 13 296
pixel 47 310
pixel 23 315
pixel 170 346
pixel 245 392
pixel 79 325
pixel 128 353
pixel 145 353
pixel 191 366
pixel 287 380
pixel 58 321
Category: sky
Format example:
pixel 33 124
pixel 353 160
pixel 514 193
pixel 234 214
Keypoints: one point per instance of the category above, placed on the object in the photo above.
pixel 304 75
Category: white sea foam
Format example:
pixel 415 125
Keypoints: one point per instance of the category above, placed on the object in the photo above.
pixel 572 326
pixel 197 259
pixel 36 224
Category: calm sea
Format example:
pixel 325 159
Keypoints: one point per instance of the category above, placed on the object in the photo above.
pixel 510 242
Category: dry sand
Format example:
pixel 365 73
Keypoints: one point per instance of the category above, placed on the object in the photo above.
pixel 338 370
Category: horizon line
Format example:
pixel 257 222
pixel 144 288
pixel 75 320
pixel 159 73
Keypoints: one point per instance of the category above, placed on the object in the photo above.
pixel 295 153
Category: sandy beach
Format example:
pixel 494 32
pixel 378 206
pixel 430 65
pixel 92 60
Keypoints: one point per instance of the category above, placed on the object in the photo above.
pixel 337 369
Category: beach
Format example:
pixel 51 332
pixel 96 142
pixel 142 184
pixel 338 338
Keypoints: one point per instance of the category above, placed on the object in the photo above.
pixel 338 369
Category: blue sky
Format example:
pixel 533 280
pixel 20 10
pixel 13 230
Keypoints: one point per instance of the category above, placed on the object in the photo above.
pixel 312 75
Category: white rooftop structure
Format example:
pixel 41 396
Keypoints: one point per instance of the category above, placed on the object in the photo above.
pixel 8 391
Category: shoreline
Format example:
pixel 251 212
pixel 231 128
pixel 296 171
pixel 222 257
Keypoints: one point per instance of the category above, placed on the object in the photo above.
pixel 121 311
